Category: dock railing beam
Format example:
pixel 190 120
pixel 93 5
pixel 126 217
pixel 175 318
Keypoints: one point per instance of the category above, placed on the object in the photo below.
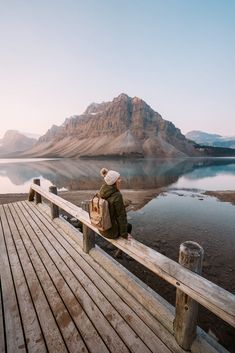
pixel 186 309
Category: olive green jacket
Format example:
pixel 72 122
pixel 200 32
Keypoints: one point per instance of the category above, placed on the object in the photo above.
pixel 117 212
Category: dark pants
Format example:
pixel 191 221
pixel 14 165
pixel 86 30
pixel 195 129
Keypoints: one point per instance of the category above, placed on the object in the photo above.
pixel 129 228
pixel 119 252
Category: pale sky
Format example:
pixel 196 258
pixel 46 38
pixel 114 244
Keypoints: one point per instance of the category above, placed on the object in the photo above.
pixel 59 56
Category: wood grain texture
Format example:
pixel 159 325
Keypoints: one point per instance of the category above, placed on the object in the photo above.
pixel 56 290
pixel 208 294
pixel 158 307
pixel 38 197
pixel 15 341
pixel 2 323
pixel 32 331
pixel 186 309
pixel 52 336
pixel 107 320
pixel 80 305
pixel 88 233
pixel 89 267
pixel 161 311
pixel 54 208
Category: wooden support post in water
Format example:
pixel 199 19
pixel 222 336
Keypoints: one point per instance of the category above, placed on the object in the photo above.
pixel 88 234
pixel 54 208
pixel 185 323
pixel 38 197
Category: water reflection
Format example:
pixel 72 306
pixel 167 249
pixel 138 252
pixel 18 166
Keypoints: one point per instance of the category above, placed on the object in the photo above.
pixel 137 174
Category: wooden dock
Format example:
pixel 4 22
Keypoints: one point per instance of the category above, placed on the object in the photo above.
pixel 56 297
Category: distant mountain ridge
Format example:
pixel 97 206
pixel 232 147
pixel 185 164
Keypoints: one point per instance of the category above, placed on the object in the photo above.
pixel 123 127
pixel 208 139
pixel 15 142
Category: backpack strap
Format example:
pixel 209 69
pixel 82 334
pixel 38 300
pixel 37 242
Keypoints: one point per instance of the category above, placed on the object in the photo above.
pixel 96 195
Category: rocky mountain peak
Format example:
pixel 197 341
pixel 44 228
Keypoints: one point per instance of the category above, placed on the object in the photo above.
pixel 92 108
pixel 122 97
pixel 15 141
pixel 9 134
pixel 50 134
pixel 95 108
pixel 126 126
pixel 136 100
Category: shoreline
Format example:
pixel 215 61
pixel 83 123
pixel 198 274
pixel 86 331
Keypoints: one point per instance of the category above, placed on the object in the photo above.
pixel 136 199
pixel 224 196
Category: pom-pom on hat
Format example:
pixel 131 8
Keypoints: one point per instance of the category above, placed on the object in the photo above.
pixel 110 176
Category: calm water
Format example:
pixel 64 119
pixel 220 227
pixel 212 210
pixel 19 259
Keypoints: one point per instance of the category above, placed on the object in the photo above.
pixel 206 174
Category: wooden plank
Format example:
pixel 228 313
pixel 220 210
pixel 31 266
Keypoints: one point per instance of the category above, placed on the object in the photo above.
pixel 53 338
pixel 145 315
pixel 32 331
pixel 123 329
pixel 68 228
pixel 213 297
pixel 205 343
pixel 137 324
pixel 153 302
pixel 86 328
pixel 2 323
pixel 141 320
pixel 66 325
pixel 122 293
pixel 14 332
pixel 208 294
pixel 111 314
pixel 156 305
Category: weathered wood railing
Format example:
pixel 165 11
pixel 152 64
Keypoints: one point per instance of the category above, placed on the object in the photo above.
pixel 191 287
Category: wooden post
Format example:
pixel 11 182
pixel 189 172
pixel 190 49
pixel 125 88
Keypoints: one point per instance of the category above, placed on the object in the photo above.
pixel 38 197
pixel 88 234
pixel 31 195
pixel 54 208
pixel 185 323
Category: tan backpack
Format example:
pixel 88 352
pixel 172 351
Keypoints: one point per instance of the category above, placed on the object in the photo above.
pixel 99 213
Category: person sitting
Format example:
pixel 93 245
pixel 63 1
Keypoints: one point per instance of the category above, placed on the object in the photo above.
pixel 110 191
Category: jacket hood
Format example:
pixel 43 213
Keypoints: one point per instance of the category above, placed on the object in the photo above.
pixel 107 190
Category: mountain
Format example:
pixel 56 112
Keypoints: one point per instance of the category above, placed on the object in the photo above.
pixel 208 139
pixel 14 142
pixel 30 135
pixel 123 127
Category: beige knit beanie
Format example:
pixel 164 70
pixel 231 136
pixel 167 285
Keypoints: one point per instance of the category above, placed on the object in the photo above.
pixel 110 176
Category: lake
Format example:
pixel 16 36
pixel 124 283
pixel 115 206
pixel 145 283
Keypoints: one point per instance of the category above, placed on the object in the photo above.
pixel 70 174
